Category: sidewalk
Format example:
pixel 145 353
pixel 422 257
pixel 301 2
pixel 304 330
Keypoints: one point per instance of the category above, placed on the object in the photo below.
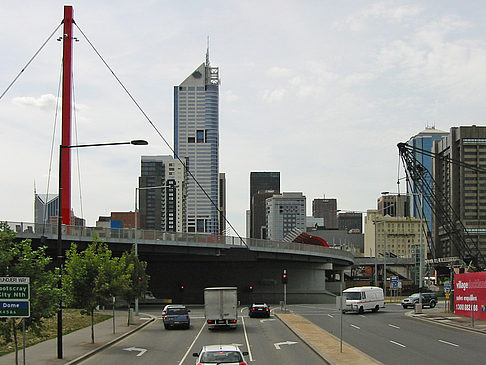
pixel 77 345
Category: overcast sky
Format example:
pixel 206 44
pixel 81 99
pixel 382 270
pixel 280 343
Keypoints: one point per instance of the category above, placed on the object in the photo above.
pixel 321 91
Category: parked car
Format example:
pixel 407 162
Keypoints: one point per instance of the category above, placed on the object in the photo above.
pixel 259 310
pixel 220 354
pixel 176 316
pixel 428 300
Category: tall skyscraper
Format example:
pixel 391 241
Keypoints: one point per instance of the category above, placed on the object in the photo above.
pixel 425 141
pixel 462 187
pixel 45 207
pixel 260 181
pixel 327 209
pixel 258 212
pixel 162 194
pixel 196 142
pixel 285 212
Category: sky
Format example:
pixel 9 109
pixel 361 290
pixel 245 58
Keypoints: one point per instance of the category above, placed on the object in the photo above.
pixel 321 91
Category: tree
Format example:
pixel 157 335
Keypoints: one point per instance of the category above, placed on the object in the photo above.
pixel 92 277
pixel 20 259
pixel 138 278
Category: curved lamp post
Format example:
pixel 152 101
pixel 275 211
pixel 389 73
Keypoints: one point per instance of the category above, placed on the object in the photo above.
pixel 136 142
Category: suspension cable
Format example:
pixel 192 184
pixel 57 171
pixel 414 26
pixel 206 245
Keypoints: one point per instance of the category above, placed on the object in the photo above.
pixel 159 133
pixel 28 63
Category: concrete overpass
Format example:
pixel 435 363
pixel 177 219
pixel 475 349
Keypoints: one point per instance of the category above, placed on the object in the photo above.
pixel 197 261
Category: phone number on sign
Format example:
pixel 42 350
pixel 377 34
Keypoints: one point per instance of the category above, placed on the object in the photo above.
pixel 467 307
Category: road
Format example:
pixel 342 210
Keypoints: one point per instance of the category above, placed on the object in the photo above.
pixel 268 341
pixel 393 338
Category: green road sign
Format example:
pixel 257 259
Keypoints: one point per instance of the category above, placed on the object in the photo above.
pixel 14 288
pixel 14 309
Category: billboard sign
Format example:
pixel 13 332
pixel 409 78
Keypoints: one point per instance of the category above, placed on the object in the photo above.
pixel 470 295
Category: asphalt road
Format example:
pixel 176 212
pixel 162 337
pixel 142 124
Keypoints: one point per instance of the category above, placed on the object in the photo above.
pixel 393 338
pixel 268 341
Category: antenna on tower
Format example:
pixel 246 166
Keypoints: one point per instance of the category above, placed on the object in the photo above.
pixel 207 54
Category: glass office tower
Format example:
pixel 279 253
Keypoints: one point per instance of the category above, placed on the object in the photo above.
pixel 196 143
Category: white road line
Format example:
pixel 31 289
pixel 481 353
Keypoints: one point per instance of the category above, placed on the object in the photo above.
pixel 352 325
pixel 192 344
pixel 392 325
pixel 329 315
pixel 362 315
pixel 247 341
pixel 397 343
pixel 449 343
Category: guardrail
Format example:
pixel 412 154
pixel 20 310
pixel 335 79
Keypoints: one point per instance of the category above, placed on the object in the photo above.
pixel 28 230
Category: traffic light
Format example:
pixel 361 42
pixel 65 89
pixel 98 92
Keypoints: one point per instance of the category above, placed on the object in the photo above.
pixel 284 276
pixel 250 288
pixel 181 287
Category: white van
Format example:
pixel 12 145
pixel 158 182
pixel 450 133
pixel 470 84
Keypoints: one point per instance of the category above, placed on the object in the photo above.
pixel 363 298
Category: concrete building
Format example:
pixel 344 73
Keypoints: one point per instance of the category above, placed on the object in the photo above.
pixel 424 141
pixel 261 181
pixel 196 142
pixel 285 212
pixel 327 209
pixel 162 194
pixel 463 187
pixel 258 213
pixel 394 205
pixel 126 219
pixel 394 235
pixel 351 222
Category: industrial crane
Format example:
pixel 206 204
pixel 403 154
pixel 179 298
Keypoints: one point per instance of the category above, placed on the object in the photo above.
pixel 448 219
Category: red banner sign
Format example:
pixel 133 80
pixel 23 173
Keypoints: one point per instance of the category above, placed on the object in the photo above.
pixel 470 295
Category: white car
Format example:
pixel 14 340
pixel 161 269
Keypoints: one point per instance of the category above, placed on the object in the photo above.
pixel 220 354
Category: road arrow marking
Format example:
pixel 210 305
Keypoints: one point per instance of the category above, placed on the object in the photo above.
pixel 266 320
pixel 141 351
pixel 277 345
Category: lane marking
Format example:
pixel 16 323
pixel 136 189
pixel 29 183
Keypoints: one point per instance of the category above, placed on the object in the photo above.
pixel 352 325
pixel 392 325
pixel 247 340
pixel 449 343
pixel 192 344
pixel 397 343
pixel 278 344
pixel 362 315
pixel 329 315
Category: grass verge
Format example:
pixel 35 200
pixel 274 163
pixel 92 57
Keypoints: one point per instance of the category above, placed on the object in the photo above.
pixel 72 320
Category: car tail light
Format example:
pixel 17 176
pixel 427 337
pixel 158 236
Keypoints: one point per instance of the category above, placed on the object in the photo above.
pixel 232 321
pixel 210 321
pixel 267 309
pixel 242 363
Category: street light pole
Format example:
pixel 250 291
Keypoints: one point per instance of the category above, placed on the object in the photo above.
pixel 137 142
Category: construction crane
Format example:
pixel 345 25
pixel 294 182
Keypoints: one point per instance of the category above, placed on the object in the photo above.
pixel 448 219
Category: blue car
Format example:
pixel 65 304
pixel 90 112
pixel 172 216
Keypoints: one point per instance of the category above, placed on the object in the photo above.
pixel 176 316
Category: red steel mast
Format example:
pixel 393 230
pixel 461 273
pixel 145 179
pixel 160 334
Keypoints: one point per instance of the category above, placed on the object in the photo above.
pixel 66 114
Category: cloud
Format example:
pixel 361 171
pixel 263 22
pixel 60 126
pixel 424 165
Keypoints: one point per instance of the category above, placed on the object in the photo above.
pixel 279 72
pixel 271 96
pixel 229 97
pixel 44 102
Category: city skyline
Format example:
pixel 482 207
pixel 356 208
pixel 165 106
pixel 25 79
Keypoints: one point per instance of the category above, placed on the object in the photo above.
pixel 324 98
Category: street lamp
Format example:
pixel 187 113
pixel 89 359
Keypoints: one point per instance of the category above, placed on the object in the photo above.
pixel 136 142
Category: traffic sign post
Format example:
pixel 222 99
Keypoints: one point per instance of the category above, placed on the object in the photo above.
pixel 14 297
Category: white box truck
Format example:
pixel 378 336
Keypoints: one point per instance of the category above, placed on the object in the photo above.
pixel 363 298
pixel 221 307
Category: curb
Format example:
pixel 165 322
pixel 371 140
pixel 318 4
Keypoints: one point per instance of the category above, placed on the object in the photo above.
pixel 447 324
pixel 318 353
pixel 108 344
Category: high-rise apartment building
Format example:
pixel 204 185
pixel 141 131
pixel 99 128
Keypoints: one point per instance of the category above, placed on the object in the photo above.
pixel 162 194
pixel 327 209
pixel 462 187
pixel 261 181
pixel 196 143
pixel 424 141
pixel 285 212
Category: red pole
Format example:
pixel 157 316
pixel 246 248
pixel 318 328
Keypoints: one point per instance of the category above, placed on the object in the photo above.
pixel 66 114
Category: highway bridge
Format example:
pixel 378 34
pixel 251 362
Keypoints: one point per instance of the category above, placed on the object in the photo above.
pixel 195 261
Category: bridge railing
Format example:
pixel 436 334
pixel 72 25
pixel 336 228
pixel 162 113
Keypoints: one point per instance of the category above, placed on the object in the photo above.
pixel 152 236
